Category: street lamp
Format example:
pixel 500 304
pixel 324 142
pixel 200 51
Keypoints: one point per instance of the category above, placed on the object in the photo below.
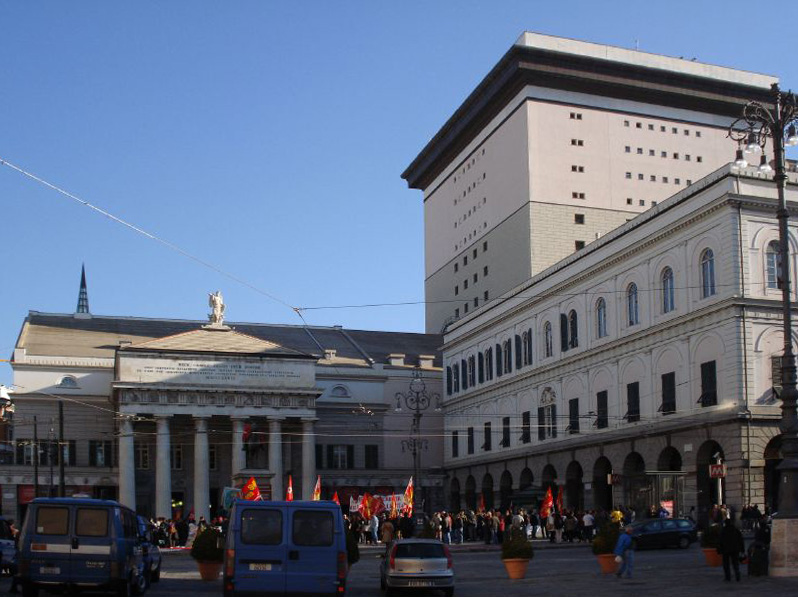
pixel 417 400
pixel 778 121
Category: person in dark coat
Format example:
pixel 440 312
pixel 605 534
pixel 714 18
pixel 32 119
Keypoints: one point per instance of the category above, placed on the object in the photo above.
pixel 731 546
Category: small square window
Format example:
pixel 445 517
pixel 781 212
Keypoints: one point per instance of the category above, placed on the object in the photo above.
pixel 639 125
pixel 651 153
pixel 640 177
pixel 579 245
pixel 687 157
pixel 485 244
pixel 651 127
pixel 686 133
pixel 642 202
pixel 675 155
pixel 628 175
pixel 629 201
pixel 579 218
pixel 456 290
pixel 698 133
pixel 663 154
pixel 628 149
pixel 625 123
pixel 674 130
pixel 485 296
pixel 653 203
pixel 484 271
pixel 689 182
pixel 664 179
pixel 698 158
pixel 653 178
pixel 677 181
pixel 639 151
pixel 662 128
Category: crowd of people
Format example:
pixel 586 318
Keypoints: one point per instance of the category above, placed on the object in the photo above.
pixel 180 532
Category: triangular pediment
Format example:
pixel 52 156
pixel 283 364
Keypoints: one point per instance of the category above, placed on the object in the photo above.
pixel 215 341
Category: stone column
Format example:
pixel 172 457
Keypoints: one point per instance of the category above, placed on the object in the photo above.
pixel 308 459
pixel 239 457
pixel 163 469
pixel 202 490
pixel 127 465
pixel 276 458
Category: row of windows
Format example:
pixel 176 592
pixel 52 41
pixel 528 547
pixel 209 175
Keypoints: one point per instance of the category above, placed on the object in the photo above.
pixel 342 456
pixel 471 211
pixel 662 128
pixel 485 296
pixel 642 202
pixel 461 374
pixel 664 154
pixel 471 162
pixel 474 254
pixel 475 279
pixel 653 178
pixel 548 423
pixel 473 234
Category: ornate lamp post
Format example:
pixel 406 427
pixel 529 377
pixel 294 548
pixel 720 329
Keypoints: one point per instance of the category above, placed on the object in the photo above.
pixel 778 122
pixel 417 400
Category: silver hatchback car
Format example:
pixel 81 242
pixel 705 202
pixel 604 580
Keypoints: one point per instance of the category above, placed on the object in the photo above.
pixel 417 564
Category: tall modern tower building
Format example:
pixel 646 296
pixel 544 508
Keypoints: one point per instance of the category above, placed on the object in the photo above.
pixel 560 143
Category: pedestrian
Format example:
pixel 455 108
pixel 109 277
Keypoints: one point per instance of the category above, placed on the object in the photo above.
pixel 732 547
pixel 624 549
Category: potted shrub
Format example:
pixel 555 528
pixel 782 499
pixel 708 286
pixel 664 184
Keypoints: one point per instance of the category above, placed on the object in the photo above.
pixel 516 553
pixel 604 545
pixel 208 551
pixel 710 539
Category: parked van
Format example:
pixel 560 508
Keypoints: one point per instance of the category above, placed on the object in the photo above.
pixel 285 548
pixel 69 543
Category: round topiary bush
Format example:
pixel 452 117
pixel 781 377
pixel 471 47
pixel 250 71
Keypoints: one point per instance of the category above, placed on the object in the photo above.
pixel 606 538
pixel 517 546
pixel 207 546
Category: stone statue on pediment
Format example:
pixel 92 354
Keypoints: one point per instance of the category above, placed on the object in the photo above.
pixel 216 303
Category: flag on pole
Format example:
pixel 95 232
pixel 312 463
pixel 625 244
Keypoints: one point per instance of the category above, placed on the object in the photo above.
pixel 289 492
pixel 408 497
pixel 251 491
pixel 548 502
pixel 559 499
pixel 481 502
pixel 394 507
pixel 317 489
pixel 335 498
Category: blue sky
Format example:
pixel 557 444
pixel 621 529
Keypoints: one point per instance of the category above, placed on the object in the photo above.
pixel 268 138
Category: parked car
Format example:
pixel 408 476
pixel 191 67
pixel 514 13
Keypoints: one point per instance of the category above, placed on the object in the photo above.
pixel 71 543
pixel 150 552
pixel 664 532
pixel 417 564
pixel 288 547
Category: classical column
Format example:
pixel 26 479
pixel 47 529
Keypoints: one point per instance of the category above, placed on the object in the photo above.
pixel 308 459
pixel 239 457
pixel 276 457
pixel 163 469
pixel 127 465
pixel 202 489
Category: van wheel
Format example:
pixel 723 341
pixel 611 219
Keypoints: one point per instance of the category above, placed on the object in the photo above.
pixel 140 585
pixel 28 590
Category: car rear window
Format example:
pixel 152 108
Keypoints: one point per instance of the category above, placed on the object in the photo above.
pixel 651 527
pixel 313 528
pixel 91 522
pixel 419 551
pixel 261 527
pixel 52 521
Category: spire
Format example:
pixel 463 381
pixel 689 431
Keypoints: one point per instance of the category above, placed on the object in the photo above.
pixel 83 295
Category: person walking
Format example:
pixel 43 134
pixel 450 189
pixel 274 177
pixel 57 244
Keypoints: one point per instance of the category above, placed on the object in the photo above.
pixel 731 546
pixel 625 549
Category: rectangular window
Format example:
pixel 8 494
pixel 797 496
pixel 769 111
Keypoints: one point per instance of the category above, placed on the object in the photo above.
pixel 668 394
pixel 602 410
pixel 775 374
pixel 577 142
pixel 476 302
pixel 456 266
pixel 476 277
pixel 698 133
pixel 573 416
pixel 52 521
pixel 526 427
pixel 640 177
pixel 142 456
pixel 176 454
pixel 456 290
pixel 485 295
pixel 628 149
pixel 261 527
pixel 662 129
pixel 651 127
pixel 484 271
pixel 372 456
pixel 465 284
pixel 488 445
pixel 457 312
pixel 651 153
pixel 709 384
pixel 91 522
pixel 312 528
pixel 639 151
pixel 633 402
pixel 629 175
pixel 455 446
pixel 100 453
pixel 506 432
pixel 626 123
pixel 579 245
pixel 470 440
pixel 338 456
pixel 629 201
pixel 213 457
pixel 579 218
pixel 474 254
pixel 639 125
pixel 484 246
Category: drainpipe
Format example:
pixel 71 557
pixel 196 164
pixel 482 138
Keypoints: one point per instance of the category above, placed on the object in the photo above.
pixel 745 359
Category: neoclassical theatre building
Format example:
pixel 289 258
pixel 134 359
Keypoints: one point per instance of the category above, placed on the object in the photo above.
pixel 622 372
pixel 164 414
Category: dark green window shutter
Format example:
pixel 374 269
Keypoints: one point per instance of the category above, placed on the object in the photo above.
pixel 541 423
pixel 350 456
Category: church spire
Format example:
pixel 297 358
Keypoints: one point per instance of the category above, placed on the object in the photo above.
pixel 83 295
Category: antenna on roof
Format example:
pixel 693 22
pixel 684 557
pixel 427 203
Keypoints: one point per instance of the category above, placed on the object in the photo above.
pixel 83 294
pixel 637 44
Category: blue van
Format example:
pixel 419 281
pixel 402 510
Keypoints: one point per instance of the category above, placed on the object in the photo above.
pixel 77 543
pixel 285 548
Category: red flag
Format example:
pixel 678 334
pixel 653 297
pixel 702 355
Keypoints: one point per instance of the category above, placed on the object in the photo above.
pixel 246 433
pixel 370 505
pixel 335 498
pixel 250 491
pixel 559 499
pixel 548 502
pixel 481 502
pixel 317 489
pixel 394 508
pixel 289 492
pixel 408 497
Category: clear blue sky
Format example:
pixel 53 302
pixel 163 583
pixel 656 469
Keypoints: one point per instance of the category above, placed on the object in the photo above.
pixel 269 137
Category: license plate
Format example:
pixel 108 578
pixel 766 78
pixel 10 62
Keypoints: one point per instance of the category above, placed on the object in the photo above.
pixel 49 570
pixel 419 583
pixel 260 567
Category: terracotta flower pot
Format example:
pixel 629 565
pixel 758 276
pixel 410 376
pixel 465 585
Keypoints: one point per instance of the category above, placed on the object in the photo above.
pixel 516 567
pixel 607 563
pixel 712 556
pixel 209 570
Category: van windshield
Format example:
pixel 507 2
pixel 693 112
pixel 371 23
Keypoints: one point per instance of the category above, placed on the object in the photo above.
pixel 92 522
pixel 52 521
pixel 312 528
pixel 262 527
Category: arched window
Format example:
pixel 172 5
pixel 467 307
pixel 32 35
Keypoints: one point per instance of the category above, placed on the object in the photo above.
pixel 340 391
pixel 667 290
pixel 529 345
pixel 601 318
pixel 549 347
pixel 508 356
pixel 707 273
pixel 455 378
pixel 573 337
pixel 773 264
pixel 488 364
pixel 68 381
pixel 632 307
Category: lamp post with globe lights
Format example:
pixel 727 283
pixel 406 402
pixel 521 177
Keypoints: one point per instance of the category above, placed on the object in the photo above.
pixel 778 121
